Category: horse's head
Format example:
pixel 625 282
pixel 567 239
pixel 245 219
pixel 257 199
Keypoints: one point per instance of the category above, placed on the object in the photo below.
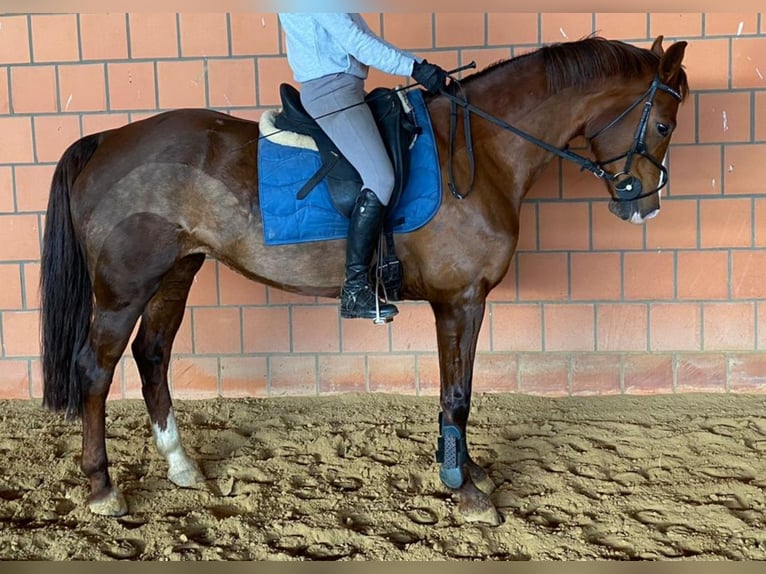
pixel 630 143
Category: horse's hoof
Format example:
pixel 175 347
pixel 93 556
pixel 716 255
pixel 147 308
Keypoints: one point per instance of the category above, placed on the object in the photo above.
pixel 187 475
pixel 113 504
pixel 482 513
pixel 480 478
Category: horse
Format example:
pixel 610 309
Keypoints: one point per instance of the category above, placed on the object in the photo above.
pixel 134 211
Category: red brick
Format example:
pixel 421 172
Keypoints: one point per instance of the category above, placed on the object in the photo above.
pixel 686 124
pixel 32 187
pixel 748 63
pixel 342 374
pixel 484 57
pixel 742 168
pixel 131 86
pixel 203 34
pixel 621 327
pixel 19 238
pixel 244 376
pixel 701 373
pixel 14 41
pixel 565 27
pixel 55 38
pixel 217 331
pixel 505 291
pixel 703 274
pixel 266 330
pixel 95 123
pixel 543 276
pixel 31 273
pixel 408 31
pixel 239 290
pixel 365 336
pixel 392 373
pixel 729 326
pixel 414 329
pixel 724 117
pixel 36 379
pixel 5 98
pixel 569 327
pixel 675 227
pixel 204 290
pixel 547 185
pixel 707 62
pixel 54 134
pixel 254 33
pixel 726 222
pixel 429 378
pixel 748 275
pixel 131 379
pixel 315 329
pixel 292 375
pixel 622 25
pixel 760 116
pixel 495 373
pixel 596 276
pixel 271 73
pixel 527 227
pixel 648 275
pixel 231 83
pixel 181 84
pixel 103 36
pixel 544 374
pixel 194 377
pixel 695 170
pixel 675 24
pixel 730 23
pixel 512 28
pixel 564 226
pixel 276 296
pixel 14 380
pixel 21 333
pixel 33 89
pixel 747 373
pixel 16 143
pixel 596 374
pixel 579 184
pixel 7 203
pixel 674 327
pixel 459 30
pixel 10 279
pixel 610 232
pixel 761 319
pixel 648 374
pixel 153 35
pixel 82 88
pixel 517 327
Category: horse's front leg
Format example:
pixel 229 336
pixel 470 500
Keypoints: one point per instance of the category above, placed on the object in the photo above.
pixel 457 330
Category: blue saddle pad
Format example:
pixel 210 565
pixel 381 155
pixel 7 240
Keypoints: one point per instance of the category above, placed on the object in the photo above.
pixel 283 170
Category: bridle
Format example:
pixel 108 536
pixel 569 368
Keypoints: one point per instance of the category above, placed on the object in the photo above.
pixel 628 189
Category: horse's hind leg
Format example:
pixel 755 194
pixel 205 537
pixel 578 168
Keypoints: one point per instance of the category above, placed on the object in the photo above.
pixel 109 334
pixel 151 350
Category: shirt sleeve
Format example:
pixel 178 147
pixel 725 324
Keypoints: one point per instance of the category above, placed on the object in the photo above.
pixel 361 43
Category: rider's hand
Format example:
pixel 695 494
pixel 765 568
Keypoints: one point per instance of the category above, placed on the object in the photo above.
pixel 430 76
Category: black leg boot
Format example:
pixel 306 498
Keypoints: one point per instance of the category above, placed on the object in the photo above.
pixel 357 299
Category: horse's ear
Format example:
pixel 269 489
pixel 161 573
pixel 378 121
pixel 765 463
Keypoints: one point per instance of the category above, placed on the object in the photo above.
pixel 657 46
pixel 670 63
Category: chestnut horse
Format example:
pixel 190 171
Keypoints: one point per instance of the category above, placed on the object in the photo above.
pixel 134 211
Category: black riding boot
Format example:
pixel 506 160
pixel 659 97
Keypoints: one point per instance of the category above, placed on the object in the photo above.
pixel 357 298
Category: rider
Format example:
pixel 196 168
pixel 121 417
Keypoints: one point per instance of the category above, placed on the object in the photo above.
pixel 329 54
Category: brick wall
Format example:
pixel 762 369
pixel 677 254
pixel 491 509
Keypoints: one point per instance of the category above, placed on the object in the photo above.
pixel 591 305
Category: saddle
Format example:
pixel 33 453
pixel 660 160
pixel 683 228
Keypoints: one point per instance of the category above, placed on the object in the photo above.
pixel 396 122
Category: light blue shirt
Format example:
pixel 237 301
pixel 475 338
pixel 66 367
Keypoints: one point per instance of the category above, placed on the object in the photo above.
pixel 324 43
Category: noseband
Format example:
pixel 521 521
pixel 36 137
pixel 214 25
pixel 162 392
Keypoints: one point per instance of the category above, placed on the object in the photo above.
pixel 625 190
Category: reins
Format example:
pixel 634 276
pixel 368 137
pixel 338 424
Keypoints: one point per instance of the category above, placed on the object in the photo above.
pixel 585 164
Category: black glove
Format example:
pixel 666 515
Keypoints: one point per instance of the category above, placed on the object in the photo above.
pixel 430 76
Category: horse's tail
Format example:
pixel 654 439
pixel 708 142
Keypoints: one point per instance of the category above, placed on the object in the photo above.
pixel 65 288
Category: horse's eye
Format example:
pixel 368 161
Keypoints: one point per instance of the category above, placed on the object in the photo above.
pixel 663 129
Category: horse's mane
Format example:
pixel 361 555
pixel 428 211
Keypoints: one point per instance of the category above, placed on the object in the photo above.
pixel 575 64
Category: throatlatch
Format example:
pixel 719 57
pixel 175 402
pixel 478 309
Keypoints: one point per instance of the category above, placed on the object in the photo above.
pixel 452 453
